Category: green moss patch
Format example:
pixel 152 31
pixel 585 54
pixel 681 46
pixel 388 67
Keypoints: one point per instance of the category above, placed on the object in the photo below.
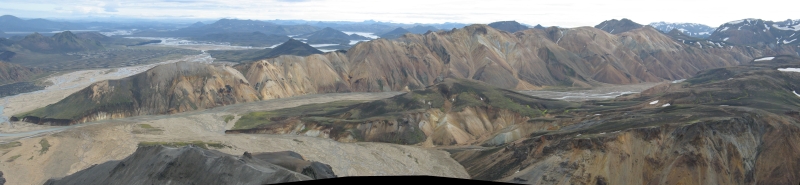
pixel 10 145
pixel 45 146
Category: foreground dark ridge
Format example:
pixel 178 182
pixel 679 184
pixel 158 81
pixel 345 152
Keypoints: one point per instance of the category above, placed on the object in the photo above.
pixel 193 165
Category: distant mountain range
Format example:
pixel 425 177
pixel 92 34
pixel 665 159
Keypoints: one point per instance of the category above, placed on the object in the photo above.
pixel 758 32
pixel 690 29
pixel 233 26
pixel 11 23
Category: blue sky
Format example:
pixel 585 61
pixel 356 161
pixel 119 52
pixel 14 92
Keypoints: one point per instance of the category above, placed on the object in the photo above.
pixel 563 13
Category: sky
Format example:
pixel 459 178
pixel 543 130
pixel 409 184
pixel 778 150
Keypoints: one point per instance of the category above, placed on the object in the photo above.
pixel 563 13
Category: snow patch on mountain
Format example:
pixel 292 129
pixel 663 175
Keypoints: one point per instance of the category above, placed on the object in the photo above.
pixel 764 59
pixel 789 69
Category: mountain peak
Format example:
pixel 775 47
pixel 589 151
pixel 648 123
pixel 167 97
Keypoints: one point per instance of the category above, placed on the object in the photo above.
pixel 197 24
pixel 293 47
pixel 9 17
pixel 618 26
pixel 689 29
pixel 396 33
pixel 508 26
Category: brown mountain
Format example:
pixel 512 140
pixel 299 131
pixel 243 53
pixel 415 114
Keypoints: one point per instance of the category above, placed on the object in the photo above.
pixel 618 26
pixel 530 59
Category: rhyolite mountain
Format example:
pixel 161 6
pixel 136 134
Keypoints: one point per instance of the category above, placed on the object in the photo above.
pixel 61 42
pixel 509 26
pixel 396 33
pixel 538 26
pixel 615 26
pixel 525 60
pixel 732 125
pixel 330 36
pixel 195 165
pixel 254 39
pixel 690 29
pixel 755 32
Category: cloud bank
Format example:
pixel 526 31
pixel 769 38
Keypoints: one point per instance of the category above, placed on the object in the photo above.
pixel 549 13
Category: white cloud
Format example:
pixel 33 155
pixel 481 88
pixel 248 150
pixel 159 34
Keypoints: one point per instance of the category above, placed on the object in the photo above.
pixel 562 13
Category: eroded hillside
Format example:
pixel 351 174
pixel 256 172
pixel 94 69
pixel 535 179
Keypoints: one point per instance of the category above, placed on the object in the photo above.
pixel 735 125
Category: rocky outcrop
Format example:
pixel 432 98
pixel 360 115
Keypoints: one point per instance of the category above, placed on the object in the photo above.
pixel 734 125
pixel 508 26
pixel 186 165
pixel 295 162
